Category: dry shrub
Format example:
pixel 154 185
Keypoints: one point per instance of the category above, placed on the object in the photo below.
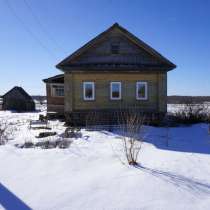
pixel 93 119
pixel 131 124
pixel 192 113
pixel 72 132
pixel 4 134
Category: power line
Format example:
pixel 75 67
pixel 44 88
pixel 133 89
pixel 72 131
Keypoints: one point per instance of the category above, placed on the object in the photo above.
pixel 42 26
pixel 48 50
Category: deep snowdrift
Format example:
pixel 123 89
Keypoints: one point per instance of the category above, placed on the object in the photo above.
pixel 93 174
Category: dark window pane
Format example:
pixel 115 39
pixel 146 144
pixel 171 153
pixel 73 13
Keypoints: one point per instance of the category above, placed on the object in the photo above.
pixel 115 94
pixel 115 90
pixel 88 91
pixel 141 91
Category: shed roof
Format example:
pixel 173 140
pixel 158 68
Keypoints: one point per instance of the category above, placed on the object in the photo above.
pixel 21 90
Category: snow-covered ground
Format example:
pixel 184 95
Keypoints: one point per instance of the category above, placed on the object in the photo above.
pixel 93 174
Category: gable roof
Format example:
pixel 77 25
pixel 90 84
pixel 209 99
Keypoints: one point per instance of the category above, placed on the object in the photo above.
pixel 21 90
pixel 67 62
pixel 55 79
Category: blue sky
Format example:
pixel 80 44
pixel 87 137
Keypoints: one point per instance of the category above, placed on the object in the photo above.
pixel 36 34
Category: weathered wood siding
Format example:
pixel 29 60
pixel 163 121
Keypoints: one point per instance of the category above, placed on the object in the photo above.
pixel 162 92
pixel 156 91
pixel 54 104
pixel 128 52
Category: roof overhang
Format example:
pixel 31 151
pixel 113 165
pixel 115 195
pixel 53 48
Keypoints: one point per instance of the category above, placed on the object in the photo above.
pixel 55 79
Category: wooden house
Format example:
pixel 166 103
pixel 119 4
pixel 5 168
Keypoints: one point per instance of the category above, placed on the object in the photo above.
pixel 114 71
pixel 18 100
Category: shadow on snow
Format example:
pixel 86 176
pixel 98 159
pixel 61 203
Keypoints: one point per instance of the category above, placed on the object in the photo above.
pixel 10 201
pixel 181 181
pixel 191 139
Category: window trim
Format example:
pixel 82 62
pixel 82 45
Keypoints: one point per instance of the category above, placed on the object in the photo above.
pixel 146 90
pixel 53 90
pixel 93 89
pixel 120 92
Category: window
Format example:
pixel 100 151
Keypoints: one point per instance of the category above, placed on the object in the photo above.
pixel 141 91
pixel 115 48
pixel 115 90
pixel 88 91
pixel 58 90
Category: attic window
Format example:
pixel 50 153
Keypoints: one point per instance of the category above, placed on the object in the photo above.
pixel 115 48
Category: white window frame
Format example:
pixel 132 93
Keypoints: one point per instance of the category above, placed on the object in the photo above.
pixel 53 93
pixel 120 93
pixel 93 90
pixel 146 90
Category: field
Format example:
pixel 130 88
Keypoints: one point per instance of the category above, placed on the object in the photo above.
pixel 173 172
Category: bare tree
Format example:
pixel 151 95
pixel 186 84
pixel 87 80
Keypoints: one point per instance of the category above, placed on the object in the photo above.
pixel 132 127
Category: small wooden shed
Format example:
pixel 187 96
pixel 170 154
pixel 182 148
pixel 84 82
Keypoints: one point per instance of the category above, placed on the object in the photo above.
pixel 18 99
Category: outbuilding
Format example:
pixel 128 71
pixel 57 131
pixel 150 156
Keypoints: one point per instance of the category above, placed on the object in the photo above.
pixel 18 99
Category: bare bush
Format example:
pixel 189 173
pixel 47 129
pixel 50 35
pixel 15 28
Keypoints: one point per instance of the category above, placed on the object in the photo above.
pixel 72 132
pixel 209 123
pixel 93 119
pixel 28 144
pixel 132 127
pixel 3 132
pixel 64 144
pixel 192 113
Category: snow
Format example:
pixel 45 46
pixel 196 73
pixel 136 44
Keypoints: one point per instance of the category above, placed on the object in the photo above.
pixel 93 173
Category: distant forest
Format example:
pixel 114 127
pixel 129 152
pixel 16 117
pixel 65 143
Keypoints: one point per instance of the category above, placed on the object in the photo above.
pixel 170 99
pixel 187 99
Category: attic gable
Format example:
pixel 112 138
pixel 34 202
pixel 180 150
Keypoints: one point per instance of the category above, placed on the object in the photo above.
pixel 130 52
pixel 125 52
